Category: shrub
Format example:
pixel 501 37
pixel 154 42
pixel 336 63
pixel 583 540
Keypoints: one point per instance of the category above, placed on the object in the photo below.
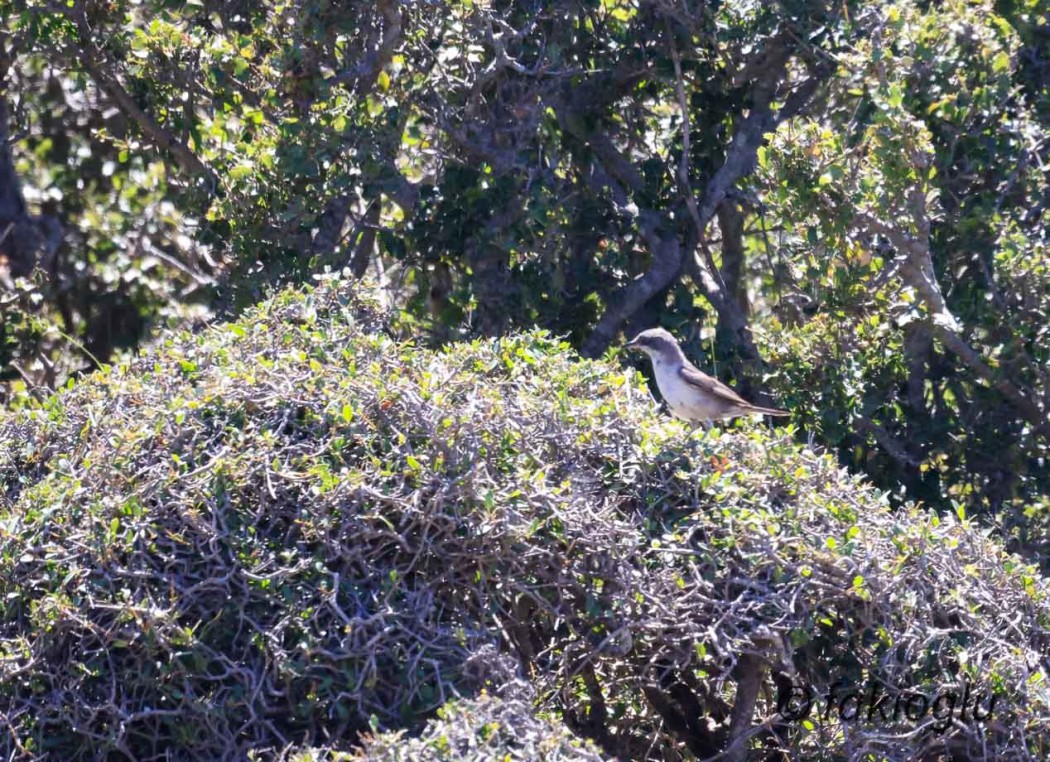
pixel 486 728
pixel 291 529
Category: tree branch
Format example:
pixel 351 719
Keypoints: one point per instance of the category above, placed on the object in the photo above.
pixel 731 227
pixel 749 672
pixel 362 78
pixel 741 159
pixel 888 442
pixel 12 202
pixel 109 84
pixel 368 224
pixel 661 238
pixel 330 225
pixel 915 266
pixel 660 229
pixel 666 252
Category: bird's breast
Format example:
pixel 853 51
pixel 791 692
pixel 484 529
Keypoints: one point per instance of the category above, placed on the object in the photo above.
pixel 686 401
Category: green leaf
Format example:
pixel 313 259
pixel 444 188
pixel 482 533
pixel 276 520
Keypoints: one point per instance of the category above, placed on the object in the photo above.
pixel 241 171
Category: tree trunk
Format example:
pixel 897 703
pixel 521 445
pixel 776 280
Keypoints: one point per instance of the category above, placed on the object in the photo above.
pixel 731 224
pixel 495 289
pixel 25 240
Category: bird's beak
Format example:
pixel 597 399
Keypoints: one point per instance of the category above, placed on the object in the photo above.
pixel 632 345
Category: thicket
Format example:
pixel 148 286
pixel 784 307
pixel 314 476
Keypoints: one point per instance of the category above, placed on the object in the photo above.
pixel 282 532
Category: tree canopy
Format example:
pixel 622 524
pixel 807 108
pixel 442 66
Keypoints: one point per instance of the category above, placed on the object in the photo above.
pixel 842 205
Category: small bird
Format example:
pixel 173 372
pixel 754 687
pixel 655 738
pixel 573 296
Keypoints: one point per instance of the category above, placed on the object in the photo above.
pixel 690 393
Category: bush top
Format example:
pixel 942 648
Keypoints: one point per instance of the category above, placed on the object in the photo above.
pixel 285 528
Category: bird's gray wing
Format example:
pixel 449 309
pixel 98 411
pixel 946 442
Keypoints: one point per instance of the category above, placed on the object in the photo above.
pixel 712 386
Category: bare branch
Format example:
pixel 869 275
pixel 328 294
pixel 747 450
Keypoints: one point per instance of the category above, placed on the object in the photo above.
pixel 888 442
pixel 750 672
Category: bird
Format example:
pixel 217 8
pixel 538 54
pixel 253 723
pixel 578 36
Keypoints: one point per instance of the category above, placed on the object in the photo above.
pixel 691 394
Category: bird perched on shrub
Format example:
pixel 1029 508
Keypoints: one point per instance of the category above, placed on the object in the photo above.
pixel 690 393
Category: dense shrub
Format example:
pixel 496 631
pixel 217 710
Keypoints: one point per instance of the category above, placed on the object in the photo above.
pixel 502 726
pixel 483 729
pixel 292 529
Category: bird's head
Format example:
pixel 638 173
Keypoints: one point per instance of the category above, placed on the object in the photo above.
pixel 658 344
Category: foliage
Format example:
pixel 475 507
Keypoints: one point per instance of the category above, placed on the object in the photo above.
pixel 291 529
pixel 754 176
pixel 918 227
pixel 479 730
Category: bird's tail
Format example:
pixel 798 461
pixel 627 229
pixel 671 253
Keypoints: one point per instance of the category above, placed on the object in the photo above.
pixel 766 410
